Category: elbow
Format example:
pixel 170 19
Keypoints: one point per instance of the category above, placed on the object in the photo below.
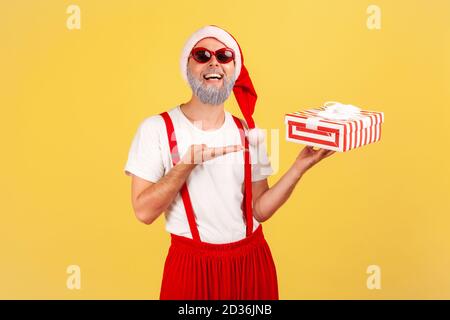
pixel 260 218
pixel 144 217
pixel 145 213
pixel 257 213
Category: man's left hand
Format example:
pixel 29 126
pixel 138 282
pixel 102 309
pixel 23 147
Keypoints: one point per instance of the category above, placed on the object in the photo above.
pixel 308 157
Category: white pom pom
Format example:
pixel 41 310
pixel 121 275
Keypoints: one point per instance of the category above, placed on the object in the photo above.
pixel 256 136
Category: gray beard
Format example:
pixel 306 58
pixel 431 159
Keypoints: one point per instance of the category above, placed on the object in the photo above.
pixel 211 94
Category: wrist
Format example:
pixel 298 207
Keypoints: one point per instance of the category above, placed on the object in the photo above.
pixel 295 173
pixel 185 166
pixel 298 171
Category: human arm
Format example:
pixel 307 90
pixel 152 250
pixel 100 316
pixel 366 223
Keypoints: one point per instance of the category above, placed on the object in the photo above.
pixel 151 199
pixel 266 201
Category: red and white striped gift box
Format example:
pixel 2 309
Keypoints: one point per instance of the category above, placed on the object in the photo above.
pixel 309 128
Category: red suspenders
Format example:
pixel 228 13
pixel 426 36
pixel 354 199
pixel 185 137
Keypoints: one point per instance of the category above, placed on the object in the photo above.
pixel 184 191
pixel 247 179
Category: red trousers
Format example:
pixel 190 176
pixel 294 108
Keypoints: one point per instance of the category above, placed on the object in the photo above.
pixel 241 270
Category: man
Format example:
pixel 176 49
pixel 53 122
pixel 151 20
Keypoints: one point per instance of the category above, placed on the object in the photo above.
pixel 213 209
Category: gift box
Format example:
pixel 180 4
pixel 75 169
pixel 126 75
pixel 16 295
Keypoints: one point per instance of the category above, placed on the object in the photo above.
pixel 334 126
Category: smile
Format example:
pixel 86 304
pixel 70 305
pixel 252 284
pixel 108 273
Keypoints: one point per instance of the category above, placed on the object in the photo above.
pixel 213 76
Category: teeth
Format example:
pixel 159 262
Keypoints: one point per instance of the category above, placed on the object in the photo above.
pixel 212 75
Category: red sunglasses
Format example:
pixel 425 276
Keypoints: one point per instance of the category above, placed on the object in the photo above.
pixel 203 55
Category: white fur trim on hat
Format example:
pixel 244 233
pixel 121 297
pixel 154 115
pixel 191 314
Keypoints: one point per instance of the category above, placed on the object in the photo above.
pixel 210 32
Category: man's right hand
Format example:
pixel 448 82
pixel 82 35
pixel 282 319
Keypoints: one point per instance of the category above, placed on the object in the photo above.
pixel 199 153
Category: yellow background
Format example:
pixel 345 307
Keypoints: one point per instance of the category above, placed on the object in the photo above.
pixel 71 101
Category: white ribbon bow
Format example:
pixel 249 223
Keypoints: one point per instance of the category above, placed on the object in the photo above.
pixel 338 111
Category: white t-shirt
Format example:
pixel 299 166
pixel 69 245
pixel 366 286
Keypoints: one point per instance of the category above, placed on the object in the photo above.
pixel 215 186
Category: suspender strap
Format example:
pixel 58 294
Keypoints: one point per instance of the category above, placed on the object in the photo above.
pixel 184 191
pixel 247 208
pixel 247 179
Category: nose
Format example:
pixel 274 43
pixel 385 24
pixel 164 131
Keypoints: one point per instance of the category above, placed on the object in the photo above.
pixel 213 62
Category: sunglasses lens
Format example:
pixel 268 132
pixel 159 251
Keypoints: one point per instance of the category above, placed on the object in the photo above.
pixel 224 55
pixel 201 55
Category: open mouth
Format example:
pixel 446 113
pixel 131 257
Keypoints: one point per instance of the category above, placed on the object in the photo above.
pixel 213 77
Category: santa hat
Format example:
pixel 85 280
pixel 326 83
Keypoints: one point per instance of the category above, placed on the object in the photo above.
pixel 243 88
